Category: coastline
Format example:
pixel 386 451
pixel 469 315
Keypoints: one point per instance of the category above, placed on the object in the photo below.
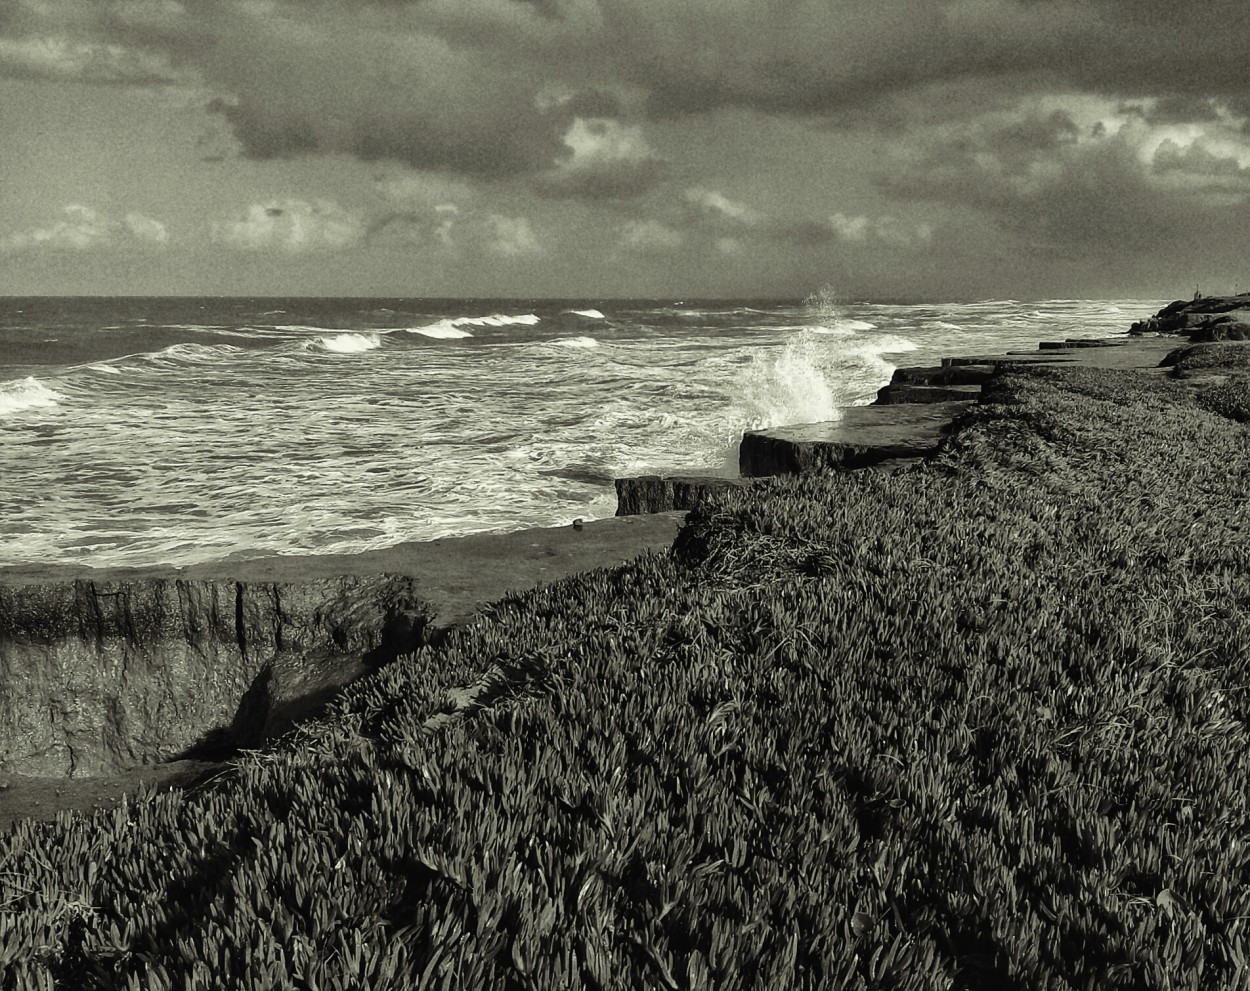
pixel 455 578
pixel 906 725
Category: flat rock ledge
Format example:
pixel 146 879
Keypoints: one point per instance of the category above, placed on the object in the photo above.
pixel 864 436
pixel 907 421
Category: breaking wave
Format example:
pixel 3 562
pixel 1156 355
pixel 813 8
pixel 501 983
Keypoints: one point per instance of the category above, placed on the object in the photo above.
pixel 349 343
pixel 444 330
pixel 27 393
pixel 592 314
pixel 497 320
pixel 584 343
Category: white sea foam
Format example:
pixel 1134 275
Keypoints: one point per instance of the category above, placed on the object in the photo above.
pixel 673 398
pixel 444 330
pixel 885 344
pixel 349 343
pixel 854 326
pixel 27 393
pixel 943 325
pixel 107 369
pixel 592 314
pixel 496 320
pixel 834 331
pixel 585 343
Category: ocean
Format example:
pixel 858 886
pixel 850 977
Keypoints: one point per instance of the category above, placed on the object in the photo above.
pixel 175 431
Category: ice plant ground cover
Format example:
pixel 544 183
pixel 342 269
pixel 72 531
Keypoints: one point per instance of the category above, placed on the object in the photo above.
pixel 979 724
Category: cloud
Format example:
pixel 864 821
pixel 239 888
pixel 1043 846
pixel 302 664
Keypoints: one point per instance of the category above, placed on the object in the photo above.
pixel 419 209
pixel 1095 179
pixel 606 159
pixel 511 237
pixel 812 56
pixel 805 56
pixel 373 83
pixel 547 88
pixel 889 231
pixel 64 58
pixel 709 203
pixel 649 236
pixel 84 228
pixel 1197 161
pixel 291 227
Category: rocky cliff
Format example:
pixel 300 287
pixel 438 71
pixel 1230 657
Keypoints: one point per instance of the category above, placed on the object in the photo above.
pixel 100 675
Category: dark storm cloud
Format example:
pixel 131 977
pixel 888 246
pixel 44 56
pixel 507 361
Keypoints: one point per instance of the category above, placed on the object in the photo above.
pixel 810 56
pixel 463 87
pixel 299 79
pixel 1200 163
pixel 311 88
pixel 1105 194
pixel 1177 108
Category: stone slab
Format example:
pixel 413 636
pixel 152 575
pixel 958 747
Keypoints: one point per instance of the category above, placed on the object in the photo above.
pixel 668 493
pixel 865 435
pixel 999 361
pixel 948 375
pixel 904 392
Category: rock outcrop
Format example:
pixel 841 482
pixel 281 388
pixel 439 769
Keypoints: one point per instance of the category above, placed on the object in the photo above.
pixel 664 493
pixel 865 436
pixel 1206 318
pixel 102 675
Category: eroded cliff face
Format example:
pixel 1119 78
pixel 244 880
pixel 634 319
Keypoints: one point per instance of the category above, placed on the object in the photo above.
pixel 97 676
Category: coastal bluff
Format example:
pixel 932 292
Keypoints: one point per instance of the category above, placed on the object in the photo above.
pixel 105 674
pixel 108 670
pixel 105 671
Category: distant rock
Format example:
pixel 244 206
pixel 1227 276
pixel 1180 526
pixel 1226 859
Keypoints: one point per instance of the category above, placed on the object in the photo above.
pixel 1207 318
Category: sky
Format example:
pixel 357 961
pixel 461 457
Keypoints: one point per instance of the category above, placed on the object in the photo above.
pixel 917 149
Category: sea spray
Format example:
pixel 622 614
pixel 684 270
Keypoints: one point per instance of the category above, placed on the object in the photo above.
pixel 789 384
pixel 792 384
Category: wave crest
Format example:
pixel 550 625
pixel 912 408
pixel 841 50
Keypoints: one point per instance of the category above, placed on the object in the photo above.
pixel 348 343
pixel 496 320
pixel 444 330
pixel 27 393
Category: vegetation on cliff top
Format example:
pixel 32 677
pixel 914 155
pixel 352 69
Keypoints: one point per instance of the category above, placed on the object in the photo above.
pixel 982 724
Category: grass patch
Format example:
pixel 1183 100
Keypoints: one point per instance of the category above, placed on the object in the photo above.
pixel 981 724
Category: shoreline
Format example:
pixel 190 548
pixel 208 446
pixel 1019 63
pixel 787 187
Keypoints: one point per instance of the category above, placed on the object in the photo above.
pixel 459 576
pixel 926 720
